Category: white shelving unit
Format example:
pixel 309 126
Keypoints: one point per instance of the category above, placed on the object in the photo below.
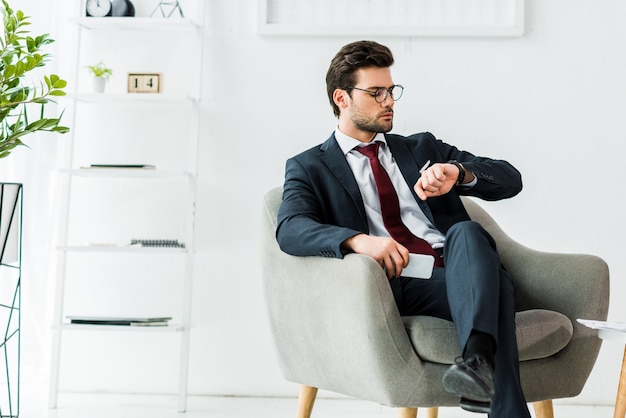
pixel 178 175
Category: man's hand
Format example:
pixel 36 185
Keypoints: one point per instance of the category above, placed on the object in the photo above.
pixel 391 255
pixel 436 180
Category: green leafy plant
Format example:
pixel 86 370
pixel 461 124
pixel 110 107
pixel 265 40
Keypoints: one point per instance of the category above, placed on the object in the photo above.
pixel 99 70
pixel 20 54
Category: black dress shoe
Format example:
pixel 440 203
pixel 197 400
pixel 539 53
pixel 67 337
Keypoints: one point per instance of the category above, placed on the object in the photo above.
pixel 471 379
pixel 475 406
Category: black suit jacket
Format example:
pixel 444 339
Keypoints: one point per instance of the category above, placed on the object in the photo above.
pixel 322 204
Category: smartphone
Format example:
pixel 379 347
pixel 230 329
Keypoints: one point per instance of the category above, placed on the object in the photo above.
pixel 420 266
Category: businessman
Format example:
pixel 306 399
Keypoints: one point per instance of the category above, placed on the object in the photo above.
pixel 367 191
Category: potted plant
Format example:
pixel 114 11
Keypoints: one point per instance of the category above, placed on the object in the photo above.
pixel 100 74
pixel 19 55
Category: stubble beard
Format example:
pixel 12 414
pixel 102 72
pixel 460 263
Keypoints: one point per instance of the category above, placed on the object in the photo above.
pixel 364 123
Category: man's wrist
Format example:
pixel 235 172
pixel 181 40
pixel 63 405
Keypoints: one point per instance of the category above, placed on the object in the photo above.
pixel 461 178
pixel 347 244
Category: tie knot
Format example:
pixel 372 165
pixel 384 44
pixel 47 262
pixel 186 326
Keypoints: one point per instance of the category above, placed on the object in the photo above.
pixel 370 150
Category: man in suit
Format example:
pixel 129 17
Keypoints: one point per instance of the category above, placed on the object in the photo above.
pixel 363 189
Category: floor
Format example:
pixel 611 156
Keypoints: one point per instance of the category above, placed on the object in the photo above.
pixel 141 406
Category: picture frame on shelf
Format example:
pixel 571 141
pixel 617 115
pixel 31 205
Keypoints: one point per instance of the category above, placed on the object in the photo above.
pixel 145 82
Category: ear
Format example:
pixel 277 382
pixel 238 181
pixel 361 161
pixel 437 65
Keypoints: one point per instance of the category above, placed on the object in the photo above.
pixel 341 98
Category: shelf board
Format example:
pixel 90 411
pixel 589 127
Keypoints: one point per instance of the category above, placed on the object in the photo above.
pixel 136 23
pixel 123 249
pixel 122 328
pixel 125 172
pixel 131 98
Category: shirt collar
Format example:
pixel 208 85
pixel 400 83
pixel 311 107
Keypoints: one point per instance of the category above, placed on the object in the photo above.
pixel 347 143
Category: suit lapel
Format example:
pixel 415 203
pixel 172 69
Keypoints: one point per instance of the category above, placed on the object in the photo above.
pixel 332 156
pixel 409 167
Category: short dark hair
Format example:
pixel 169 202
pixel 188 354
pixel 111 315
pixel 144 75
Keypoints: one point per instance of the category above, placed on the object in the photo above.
pixel 350 58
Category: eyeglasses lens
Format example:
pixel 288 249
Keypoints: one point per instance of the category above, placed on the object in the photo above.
pixel 395 92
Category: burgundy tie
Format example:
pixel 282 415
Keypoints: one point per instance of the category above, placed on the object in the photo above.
pixel 390 208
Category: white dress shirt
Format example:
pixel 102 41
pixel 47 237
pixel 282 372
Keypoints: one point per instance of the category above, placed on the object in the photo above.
pixel 410 212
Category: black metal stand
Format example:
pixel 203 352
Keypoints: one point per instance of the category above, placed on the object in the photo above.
pixel 10 297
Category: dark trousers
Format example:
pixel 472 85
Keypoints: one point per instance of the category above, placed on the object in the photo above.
pixel 476 293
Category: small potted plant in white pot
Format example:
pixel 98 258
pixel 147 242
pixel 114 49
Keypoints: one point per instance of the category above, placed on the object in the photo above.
pixel 100 74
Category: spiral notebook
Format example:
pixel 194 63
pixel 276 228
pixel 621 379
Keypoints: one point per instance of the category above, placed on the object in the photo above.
pixel 171 243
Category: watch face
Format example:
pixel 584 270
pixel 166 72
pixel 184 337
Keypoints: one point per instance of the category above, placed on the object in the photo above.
pixel 98 8
pixel 122 8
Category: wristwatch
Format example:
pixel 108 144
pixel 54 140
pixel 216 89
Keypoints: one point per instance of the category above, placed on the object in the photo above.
pixel 458 165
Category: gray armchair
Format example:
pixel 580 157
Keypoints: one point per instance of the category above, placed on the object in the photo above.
pixel 336 326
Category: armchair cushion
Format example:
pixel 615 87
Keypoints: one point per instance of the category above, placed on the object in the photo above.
pixel 540 334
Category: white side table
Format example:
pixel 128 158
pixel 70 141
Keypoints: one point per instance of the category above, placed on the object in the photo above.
pixel 613 331
pixel 620 401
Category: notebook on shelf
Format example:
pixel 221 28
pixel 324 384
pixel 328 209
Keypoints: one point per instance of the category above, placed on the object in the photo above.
pixel 123 166
pixel 119 320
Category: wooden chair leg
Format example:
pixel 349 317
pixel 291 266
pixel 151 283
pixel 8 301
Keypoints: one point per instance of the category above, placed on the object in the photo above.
pixel 620 400
pixel 412 412
pixel 306 399
pixel 432 412
pixel 407 412
pixel 543 409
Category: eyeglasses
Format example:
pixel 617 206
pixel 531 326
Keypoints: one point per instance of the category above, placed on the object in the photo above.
pixel 381 93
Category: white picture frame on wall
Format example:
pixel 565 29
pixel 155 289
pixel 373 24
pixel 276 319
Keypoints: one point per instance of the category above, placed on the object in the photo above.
pixel 414 18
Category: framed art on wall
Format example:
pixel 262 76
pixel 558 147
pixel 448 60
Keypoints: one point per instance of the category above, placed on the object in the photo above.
pixel 461 18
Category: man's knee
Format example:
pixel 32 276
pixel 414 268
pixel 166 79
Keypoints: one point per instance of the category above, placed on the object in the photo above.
pixel 465 226
pixel 471 236
pixel 468 230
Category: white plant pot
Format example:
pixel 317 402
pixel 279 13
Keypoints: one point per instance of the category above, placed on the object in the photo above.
pixel 98 84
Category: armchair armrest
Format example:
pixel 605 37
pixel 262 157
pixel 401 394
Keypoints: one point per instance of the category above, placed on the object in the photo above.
pixel 576 285
pixel 335 323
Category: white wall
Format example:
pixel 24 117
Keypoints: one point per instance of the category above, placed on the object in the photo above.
pixel 551 102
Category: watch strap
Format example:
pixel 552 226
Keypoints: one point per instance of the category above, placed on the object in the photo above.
pixel 461 177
